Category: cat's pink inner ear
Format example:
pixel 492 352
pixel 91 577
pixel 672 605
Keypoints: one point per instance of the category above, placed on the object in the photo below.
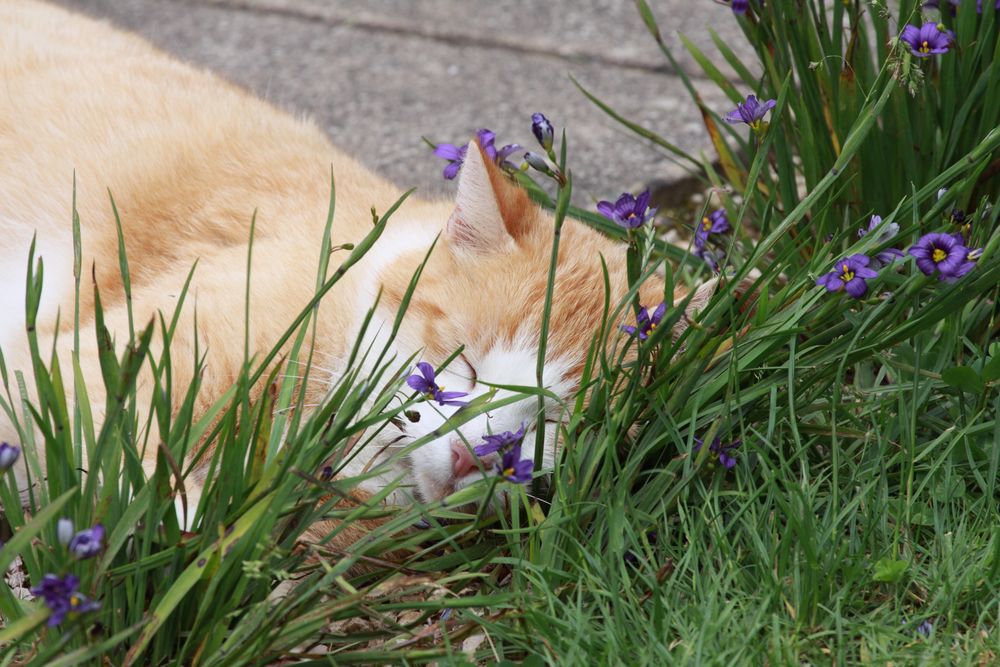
pixel 477 225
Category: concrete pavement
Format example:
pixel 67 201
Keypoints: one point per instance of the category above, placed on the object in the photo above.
pixel 379 74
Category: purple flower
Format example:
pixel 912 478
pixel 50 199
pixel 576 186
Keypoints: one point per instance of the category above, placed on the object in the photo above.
pixel 723 451
pixel 849 275
pixel 513 468
pixel 889 255
pixel 87 543
pixel 927 40
pixel 629 212
pixel 925 628
pixel 456 154
pixel 425 384
pixel 542 129
pixel 644 322
pixel 61 597
pixel 944 253
pixel 499 442
pixel 716 223
pixel 8 455
pixel 750 112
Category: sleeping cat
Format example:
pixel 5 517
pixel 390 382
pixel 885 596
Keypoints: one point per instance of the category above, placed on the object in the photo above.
pixel 189 158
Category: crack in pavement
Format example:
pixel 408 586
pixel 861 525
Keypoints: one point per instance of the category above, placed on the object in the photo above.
pixel 380 24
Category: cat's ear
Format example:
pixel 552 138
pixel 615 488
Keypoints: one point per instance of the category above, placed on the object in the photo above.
pixel 491 212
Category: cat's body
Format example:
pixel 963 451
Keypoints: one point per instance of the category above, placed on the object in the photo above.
pixel 189 158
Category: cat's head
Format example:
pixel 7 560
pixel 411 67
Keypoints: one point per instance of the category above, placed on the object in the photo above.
pixel 484 288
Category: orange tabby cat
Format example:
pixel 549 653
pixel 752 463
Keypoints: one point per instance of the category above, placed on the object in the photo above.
pixel 189 158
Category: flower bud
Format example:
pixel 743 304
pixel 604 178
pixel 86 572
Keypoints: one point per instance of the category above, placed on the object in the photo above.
pixel 64 530
pixel 542 129
pixel 538 162
pixel 8 455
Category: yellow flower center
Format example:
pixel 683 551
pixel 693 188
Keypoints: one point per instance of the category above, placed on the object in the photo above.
pixel 938 255
pixel 925 47
pixel 706 224
pixel 848 275
pixel 508 472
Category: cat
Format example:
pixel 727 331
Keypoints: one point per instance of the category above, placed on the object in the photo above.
pixel 190 159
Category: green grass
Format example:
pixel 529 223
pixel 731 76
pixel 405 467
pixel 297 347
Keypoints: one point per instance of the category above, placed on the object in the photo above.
pixel 864 501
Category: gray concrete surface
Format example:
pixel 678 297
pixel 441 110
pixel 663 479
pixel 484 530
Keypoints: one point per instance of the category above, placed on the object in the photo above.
pixel 379 74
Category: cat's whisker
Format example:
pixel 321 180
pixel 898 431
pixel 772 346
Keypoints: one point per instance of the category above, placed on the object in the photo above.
pixel 292 407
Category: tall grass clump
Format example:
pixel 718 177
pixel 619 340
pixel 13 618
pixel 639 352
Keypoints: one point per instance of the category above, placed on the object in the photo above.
pixel 807 473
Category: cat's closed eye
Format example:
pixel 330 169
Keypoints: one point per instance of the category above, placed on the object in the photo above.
pixel 473 376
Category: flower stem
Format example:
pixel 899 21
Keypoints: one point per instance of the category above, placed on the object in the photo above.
pixel 562 207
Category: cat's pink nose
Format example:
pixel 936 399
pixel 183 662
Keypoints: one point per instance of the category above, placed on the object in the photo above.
pixel 463 461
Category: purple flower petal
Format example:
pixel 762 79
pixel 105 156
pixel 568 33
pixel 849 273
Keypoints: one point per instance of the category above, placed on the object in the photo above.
pixel 451 171
pixel 426 370
pixel 733 116
pixel 642 201
pixel 948 265
pixel 607 209
pixel 865 272
pixel 830 281
pixel 449 397
pixel 926 266
pixel 856 287
pixel 450 151
pixel 658 313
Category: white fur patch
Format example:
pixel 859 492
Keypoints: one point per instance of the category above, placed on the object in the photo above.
pixel 57 260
